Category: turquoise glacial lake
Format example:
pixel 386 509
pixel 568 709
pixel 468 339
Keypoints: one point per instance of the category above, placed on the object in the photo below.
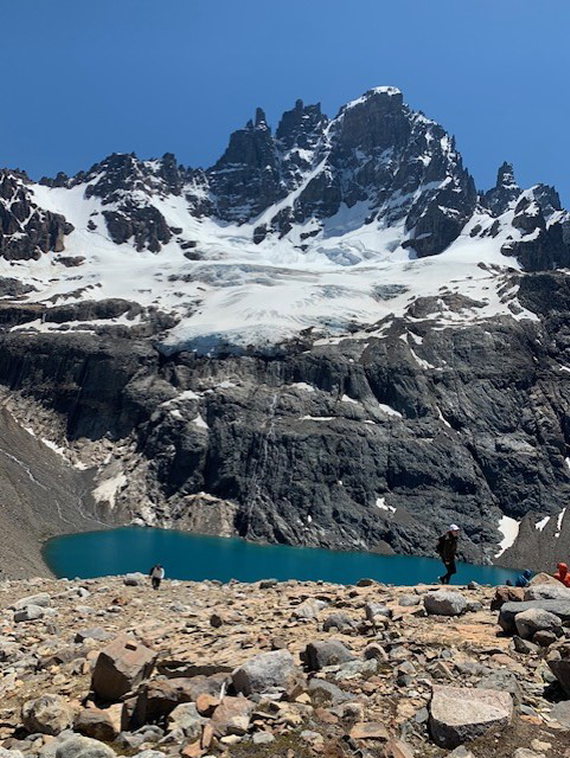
pixel 195 557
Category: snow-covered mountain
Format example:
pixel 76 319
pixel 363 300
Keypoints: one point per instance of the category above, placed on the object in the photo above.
pixel 328 337
pixel 329 225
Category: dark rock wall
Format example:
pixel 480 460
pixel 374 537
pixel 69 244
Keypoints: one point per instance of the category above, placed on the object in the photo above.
pixel 435 425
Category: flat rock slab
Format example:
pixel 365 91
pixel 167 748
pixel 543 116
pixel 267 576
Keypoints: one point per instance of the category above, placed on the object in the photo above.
pixel 509 611
pixel 458 715
pixel 369 730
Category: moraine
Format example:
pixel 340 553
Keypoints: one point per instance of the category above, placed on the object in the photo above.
pixel 195 557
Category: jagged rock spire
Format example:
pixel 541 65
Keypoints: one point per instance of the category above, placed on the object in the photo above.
pixel 502 196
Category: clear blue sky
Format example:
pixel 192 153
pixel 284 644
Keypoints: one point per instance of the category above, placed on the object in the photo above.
pixel 83 78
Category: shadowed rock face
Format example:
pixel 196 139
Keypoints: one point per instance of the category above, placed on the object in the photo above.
pixel 26 230
pixel 377 444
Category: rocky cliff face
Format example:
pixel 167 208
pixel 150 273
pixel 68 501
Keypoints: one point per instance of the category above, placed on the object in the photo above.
pixel 327 338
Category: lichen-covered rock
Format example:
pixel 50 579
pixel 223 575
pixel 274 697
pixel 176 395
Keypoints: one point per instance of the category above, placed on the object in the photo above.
pixel 47 714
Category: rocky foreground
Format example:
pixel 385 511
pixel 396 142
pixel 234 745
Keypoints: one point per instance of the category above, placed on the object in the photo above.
pixel 106 667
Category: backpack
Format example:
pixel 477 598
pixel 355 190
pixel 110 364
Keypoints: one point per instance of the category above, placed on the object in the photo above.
pixel 440 544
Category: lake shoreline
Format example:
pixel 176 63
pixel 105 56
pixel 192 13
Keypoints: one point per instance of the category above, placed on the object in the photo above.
pixel 193 557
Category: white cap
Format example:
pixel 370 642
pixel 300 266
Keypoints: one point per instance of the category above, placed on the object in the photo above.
pixel 454 528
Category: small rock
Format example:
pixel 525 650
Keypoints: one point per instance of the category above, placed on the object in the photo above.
pixel 561 713
pixel 309 609
pixel 544 638
pixel 339 621
pixel 266 584
pixel 232 716
pixel 93 633
pixel 323 692
pixel 262 738
pixel 134 580
pixel 365 582
pixel 83 747
pixel 43 600
pixel 186 719
pixel 409 600
pixel 524 646
pixel 29 613
pixel 100 724
pixel 506 595
pixel 374 650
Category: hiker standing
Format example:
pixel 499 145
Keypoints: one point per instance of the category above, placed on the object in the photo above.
pixel 156 575
pixel 447 549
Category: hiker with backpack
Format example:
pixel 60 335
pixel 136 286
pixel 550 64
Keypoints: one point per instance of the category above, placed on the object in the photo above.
pixel 447 550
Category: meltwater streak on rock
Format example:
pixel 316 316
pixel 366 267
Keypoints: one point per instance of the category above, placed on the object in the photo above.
pixel 195 557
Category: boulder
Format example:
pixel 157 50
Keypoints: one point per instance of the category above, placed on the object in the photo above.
pixel 458 715
pixel 506 595
pixel 83 747
pixel 265 672
pixel 43 600
pixel 100 724
pixel 232 716
pixel 509 611
pixel 93 633
pixel 47 714
pixel 547 592
pixel 543 578
pixel 409 600
pixel 561 714
pixel 317 655
pixel 323 692
pixel 339 621
pixel 536 620
pixel 29 613
pixel 121 667
pixel 159 697
pixel 445 603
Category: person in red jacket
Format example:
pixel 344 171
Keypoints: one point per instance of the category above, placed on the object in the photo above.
pixel 562 574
